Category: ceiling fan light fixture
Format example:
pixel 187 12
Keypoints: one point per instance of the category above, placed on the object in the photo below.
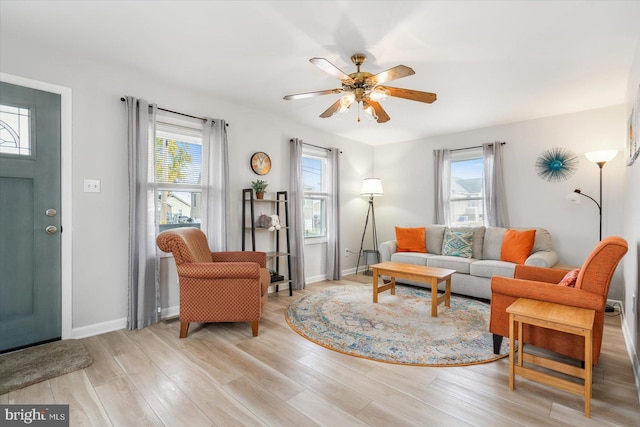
pixel 379 93
pixel 347 100
pixel 371 113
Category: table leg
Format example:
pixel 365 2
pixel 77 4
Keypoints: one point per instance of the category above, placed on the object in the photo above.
pixel 520 344
pixel 447 301
pixel 512 347
pixel 588 374
pixel 393 285
pixel 375 285
pixel 434 297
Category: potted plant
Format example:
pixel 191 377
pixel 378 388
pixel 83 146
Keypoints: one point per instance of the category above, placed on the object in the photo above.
pixel 259 186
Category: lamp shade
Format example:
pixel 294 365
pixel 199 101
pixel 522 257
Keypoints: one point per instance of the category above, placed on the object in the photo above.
pixel 601 156
pixel 371 187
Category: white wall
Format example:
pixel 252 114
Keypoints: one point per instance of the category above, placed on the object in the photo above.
pixel 407 173
pixel 631 223
pixel 100 220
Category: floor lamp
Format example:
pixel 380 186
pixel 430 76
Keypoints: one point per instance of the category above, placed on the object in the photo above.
pixel 600 158
pixel 371 187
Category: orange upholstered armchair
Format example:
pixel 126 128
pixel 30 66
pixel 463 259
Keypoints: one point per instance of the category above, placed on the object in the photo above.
pixel 216 286
pixel 590 291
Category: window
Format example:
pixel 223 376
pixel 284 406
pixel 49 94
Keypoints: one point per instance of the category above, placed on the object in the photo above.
pixel 15 125
pixel 466 190
pixel 177 164
pixel 314 177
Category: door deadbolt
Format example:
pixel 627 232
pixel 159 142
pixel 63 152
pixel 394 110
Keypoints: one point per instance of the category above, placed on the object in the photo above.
pixel 51 229
pixel 51 212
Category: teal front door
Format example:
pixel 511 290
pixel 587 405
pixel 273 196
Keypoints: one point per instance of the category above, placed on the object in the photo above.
pixel 30 251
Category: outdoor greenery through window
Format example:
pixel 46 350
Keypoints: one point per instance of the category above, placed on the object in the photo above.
pixel 178 170
pixel 466 198
pixel 314 176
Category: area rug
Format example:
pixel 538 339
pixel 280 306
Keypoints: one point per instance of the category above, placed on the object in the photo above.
pixel 32 365
pixel 399 328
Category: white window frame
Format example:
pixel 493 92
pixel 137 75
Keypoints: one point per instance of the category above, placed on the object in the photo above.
pixel 171 127
pixel 459 156
pixel 323 196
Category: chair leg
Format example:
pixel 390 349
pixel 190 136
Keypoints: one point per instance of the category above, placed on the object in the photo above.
pixel 184 328
pixel 497 343
pixel 254 327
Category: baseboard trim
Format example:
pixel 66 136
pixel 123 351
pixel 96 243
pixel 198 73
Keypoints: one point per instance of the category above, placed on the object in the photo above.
pixel 315 279
pixel 633 356
pixel 99 328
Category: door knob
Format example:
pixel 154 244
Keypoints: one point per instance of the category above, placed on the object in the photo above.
pixel 51 229
pixel 51 212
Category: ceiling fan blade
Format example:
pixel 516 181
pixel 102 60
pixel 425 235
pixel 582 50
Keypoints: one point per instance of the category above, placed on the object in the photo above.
pixel 331 110
pixel 331 69
pixel 383 117
pixel 310 94
pixel 394 73
pixel 413 95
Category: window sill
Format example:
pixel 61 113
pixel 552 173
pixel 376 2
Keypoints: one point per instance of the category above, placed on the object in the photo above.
pixel 314 240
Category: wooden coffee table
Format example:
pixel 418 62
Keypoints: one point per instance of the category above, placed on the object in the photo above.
pixel 418 273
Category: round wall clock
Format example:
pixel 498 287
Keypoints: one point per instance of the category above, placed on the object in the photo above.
pixel 260 163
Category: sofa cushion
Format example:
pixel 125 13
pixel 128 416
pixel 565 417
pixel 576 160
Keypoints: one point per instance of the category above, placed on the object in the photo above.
pixel 461 265
pixel 435 237
pixel 478 239
pixel 490 268
pixel 416 258
pixel 492 245
pixel 411 239
pixel 543 241
pixel 517 245
pixel 457 243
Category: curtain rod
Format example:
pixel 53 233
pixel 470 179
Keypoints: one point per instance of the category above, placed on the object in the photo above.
pixel 471 148
pixel 316 146
pixel 175 112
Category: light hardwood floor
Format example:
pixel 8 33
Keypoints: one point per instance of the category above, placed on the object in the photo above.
pixel 221 375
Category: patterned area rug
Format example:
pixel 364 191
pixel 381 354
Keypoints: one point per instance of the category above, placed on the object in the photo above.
pixel 399 329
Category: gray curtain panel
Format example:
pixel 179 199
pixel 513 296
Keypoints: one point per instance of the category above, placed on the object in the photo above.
pixel 441 172
pixel 144 288
pixel 334 268
pixel 296 206
pixel 495 203
pixel 215 184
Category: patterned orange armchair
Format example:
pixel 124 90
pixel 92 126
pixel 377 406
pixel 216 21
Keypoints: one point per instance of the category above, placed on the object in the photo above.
pixel 216 286
pixel 590 291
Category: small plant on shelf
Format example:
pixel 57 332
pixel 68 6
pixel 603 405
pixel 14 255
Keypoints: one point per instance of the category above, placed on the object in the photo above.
pixel 259 186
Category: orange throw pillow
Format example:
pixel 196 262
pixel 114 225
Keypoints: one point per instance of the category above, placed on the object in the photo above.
pixel 411 239
pixel 517 245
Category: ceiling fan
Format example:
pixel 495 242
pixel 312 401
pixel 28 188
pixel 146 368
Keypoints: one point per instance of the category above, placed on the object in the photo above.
pixel 364 89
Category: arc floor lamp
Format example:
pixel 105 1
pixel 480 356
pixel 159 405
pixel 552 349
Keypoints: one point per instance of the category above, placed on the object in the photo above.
pixel 600 158
pixel 371 187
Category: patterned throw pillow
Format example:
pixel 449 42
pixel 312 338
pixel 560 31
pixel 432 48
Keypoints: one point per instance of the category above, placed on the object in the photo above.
pixel 457 243
pixel 569 279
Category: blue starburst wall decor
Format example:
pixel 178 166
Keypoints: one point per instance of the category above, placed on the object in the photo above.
pixel 556 164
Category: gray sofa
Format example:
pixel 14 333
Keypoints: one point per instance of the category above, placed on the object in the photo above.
pixel 473 275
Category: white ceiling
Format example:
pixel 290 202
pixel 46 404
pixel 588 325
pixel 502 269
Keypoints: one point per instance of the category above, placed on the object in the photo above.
pixel 489 62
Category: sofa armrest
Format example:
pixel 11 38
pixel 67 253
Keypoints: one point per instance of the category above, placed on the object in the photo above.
pixel 539 274
pixel 220 270
pixel 543 291
pixel 543 259
pixel 387 249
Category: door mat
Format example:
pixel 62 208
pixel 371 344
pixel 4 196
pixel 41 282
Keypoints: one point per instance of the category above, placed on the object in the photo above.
pixel 35 364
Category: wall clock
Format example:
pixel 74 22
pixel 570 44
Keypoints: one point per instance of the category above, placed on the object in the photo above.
pixel 260 163
pixel 556 164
